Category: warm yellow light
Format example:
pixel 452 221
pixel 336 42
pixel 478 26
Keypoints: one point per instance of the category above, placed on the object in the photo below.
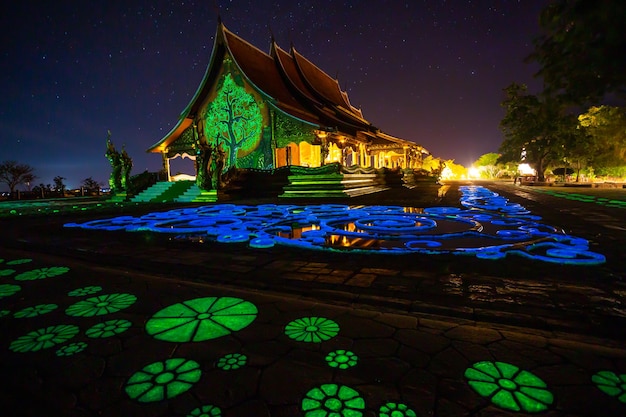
pixel 525 169
pixel 473 172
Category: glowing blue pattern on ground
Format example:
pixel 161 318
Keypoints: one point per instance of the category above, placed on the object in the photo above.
pixel 488 227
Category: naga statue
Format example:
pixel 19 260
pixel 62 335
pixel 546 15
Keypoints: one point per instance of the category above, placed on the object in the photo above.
pixel 115 180
pixel 126 167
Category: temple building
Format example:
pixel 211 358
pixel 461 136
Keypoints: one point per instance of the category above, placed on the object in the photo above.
pixel 264 111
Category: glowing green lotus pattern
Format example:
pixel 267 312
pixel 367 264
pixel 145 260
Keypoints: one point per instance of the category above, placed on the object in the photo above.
pixel 42 273
pixel 205 411
pixel 6 272
pixel 342 359
pixel 4 313
pixel 611 384
pixel 232 361
pixel 312 329
pixel 35 310
pixel 81 292
pixel 396 410
pixel 44 338
pixel 7 290
pixel 19 261
pixel 509 387
pixel 331 400
pixel 201 319
pixel 71 349
pixel 108 328
pixel 163 380
pixel 102 304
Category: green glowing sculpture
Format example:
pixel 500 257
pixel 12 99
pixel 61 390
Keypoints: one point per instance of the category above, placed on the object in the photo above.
pixel 108 328
pixel 201 319
pixel 6 272
pixel 71 349
pixel 35 310
pixel 205 411
pixel 7 290
pixel 19 261
pixel 611 384
pixel 232 361
pixel 396 410
pixel 163 380
pixel 331 400
pixel 42 273
pixel 102 304
pixel 81 292
pixel 44 338
pixel 233 119
pixel 342 359
pixel 312 329
pixel 509 387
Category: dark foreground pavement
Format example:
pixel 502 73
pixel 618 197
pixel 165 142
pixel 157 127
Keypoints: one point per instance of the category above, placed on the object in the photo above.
pixel 423 332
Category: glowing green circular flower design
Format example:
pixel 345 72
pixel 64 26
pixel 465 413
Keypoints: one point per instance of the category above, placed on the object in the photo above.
pixel 108 328
pixel 331 400
pixel 44 338
pixel 163 380
pixel 509 387
pixel 102 304
pixel 7 290
pixel 6 272
pixel 19 261
pixel 42 273
pixel 71 349
pixel 611 384
pixel 205 411
pixel 342 359
pixel 4 313
pixel 201 319
pixel 35 310
pixel 81 292
pixel 396 410
pixel 232 361
pixel 312 329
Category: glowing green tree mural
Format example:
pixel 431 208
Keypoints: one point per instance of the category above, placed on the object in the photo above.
pixel 509 387
pixel 163 380
pixel 312 329
pixel 234 120
pixel 201 319
pixel 44 338
pixel 611 384
pixel 331 400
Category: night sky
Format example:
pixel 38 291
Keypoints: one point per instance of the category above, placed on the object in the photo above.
pixel 428 71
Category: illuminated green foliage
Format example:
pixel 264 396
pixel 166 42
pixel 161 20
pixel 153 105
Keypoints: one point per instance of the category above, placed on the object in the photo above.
pixel 42 273
pixel 201 319
pixel 331 400
pixel 19 261
pixel 205 411
pixel 102 304
pixel 163 380
pixel 342 359
pixel 71 349
pixel 232 361
pixel 44 338
pixel 6 272
pixel 312 329
pixel 35 310
pixel 81 292
pixel 7 290
pixel 611 384
pixel 509 387
pixel 396 410
pixel 108 328
pixel 234 120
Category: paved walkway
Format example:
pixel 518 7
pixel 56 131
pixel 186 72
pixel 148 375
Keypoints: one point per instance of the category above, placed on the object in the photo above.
pixel 104 324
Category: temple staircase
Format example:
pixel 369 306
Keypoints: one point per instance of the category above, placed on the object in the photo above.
pixel 163 192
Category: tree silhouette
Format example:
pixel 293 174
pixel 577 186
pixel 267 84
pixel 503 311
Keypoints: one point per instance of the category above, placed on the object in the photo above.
pixel 14 174
pixel 233 120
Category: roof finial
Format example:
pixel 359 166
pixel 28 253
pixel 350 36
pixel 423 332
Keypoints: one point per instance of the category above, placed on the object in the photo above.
pixel 216 7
